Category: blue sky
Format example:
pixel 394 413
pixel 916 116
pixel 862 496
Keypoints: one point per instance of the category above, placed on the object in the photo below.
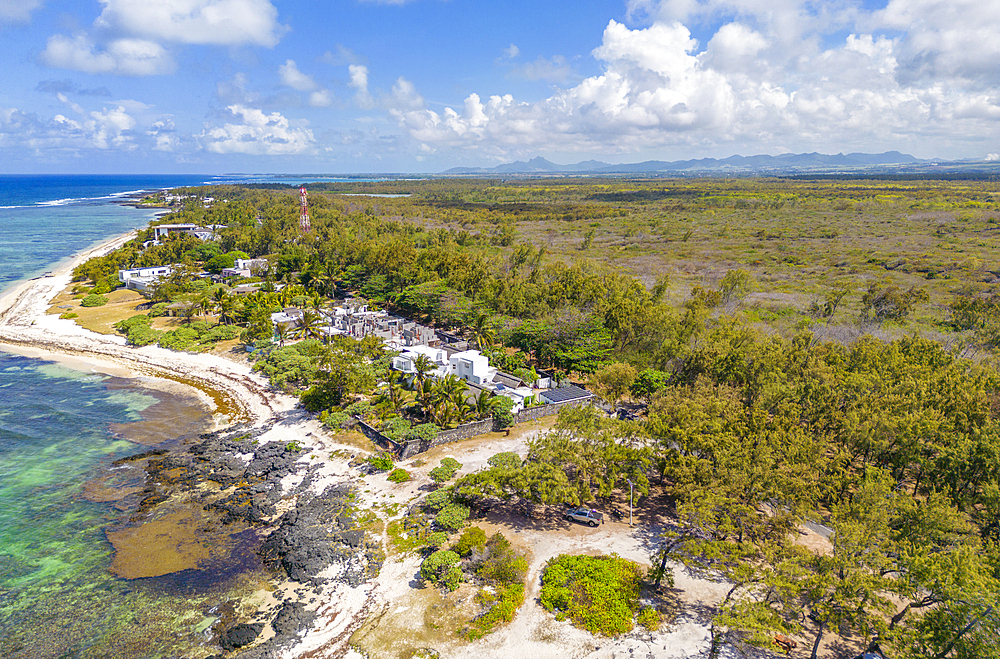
pixel 213 86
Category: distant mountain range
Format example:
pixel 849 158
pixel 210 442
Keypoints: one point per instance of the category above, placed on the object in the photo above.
pixel 788 163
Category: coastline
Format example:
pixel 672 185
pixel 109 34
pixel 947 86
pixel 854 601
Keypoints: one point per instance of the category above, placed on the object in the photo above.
pixel 241 401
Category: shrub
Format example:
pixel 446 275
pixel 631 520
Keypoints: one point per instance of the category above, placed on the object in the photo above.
pixel 437 500
pixel 423 432
pixel 380 461
pixel 472 539
pixel 362 408
pixel 507 460
pixel 509 600
pixel 137 330
pixel 336 420
pixel 158 309
pixel 69 315
pixel 598 593
pixel 399 475
pixel 649 618
pixel 395 428
pixel 94 300
pixel 446 470
pixel 437 539
pixel 441 568
pixel 501 564
pixel 452 516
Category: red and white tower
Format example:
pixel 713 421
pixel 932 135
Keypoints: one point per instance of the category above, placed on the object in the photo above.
pixel 304 225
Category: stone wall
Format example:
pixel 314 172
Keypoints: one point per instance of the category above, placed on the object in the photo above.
pixel 465 431
pixel 379 439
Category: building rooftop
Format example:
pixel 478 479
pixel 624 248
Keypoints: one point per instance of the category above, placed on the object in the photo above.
pixel 565 394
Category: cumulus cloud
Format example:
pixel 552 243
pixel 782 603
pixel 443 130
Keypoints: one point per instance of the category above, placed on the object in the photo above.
pixel 292 77
pixel 18 11
pixel 108 128
pixel 359 82
pixel 221 22
pixel 511 51
pixel 254 133
pixel 128 57
pixel 745 89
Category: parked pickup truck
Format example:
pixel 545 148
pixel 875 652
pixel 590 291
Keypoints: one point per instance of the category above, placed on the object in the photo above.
pixel 586 515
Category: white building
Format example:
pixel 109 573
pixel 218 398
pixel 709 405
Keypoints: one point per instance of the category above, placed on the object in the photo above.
pixel 245 268
pixel 405 360
pixel 471 366
pixel 139 279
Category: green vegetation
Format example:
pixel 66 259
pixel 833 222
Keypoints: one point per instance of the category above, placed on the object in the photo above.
pixel 817 349
pixel 452 516
pixel 398 475
pixel 445 471
pixel 380 461
pixel 93 300
pixel 442 568
pixel 598 593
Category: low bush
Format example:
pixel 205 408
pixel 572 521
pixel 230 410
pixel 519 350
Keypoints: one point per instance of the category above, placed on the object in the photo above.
pixel 472 539
pixel 399 475
pixel 395 428
pixel 441 568
pixel 649 618
pixel 501 564
pixel 137 330
pixel 452 516
pixel 598 593
pixel 437 500
pixel 380 461
pixel 335 420
pixel 509 599
pixel 94 300
pixel 446 470
pixel 506 460
pixel 69 315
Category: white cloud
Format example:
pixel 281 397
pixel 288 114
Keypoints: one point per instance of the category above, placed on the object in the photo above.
pixel 259 134
pixel 104 129
pixel 359 82
pixel 745 91
pixel 322 98
pixel 128 57
pixel 511 51
pixel 221 22
pixel 164 135
pixel 18 11
pixel 292 77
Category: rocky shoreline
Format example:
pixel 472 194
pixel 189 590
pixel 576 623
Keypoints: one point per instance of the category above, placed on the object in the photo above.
pixel 308 541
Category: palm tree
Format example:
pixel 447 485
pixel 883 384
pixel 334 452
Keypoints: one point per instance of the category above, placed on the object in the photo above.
pixel 423 366
pixel 227 310
pixel 483 406
pixel 311 326
pixel 483 332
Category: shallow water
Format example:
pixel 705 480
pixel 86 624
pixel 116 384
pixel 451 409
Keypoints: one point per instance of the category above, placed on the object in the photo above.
pixel 58 492
pixel 60 431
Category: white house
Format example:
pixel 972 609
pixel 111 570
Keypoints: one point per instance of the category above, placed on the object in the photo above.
pixel 471 366
pixel 245 268
pixel 139 279
pixel 202 233
pixel 405 360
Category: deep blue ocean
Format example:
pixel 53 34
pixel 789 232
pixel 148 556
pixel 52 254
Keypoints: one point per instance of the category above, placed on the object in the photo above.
pixel 60 430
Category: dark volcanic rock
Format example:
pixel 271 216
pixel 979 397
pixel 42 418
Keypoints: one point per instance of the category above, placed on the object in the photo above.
pixel 291 619
pixel 309 539
pixel 240 635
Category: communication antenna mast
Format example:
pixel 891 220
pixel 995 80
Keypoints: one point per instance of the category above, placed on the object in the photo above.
pixel 304 225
